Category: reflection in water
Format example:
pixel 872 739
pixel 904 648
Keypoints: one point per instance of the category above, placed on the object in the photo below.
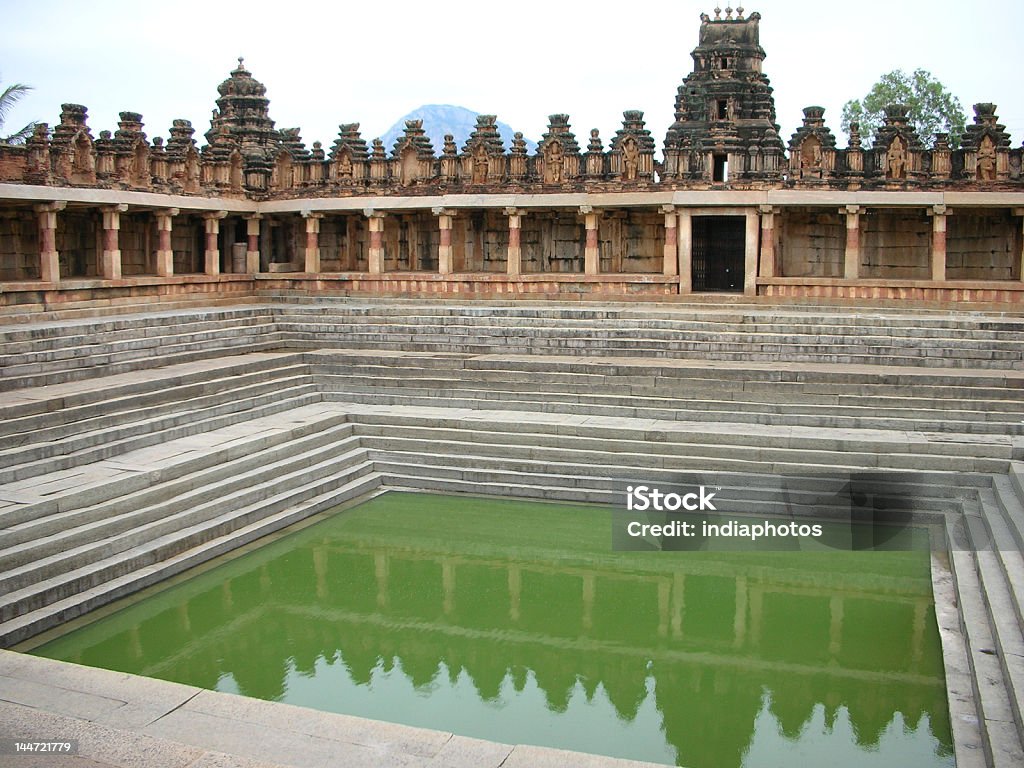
pixel 515 622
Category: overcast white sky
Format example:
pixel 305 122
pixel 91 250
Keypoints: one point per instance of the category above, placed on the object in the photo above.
pixel 328 63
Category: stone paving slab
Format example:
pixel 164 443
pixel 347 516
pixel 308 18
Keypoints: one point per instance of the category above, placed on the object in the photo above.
pixel 124 721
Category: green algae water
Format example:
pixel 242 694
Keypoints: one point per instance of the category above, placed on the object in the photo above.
pixel 514 621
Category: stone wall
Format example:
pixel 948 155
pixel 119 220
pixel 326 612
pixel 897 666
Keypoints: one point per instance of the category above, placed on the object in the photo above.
pixel 480 242
pixel 983 244
pixel 343 244
pixel 895 244
pixel 553 242
pixel 811 243
pixel 410 242
pixel 78 242
pixel 187 244
pixel 631 242
pixel 19 247
pixel 137 241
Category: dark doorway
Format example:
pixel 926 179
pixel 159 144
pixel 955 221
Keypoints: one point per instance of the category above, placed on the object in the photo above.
pixel 718 253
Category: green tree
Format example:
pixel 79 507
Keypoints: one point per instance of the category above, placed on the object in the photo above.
pixel 932 108
pixel 11 95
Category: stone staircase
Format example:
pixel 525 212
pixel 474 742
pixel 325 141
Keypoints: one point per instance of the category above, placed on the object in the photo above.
pixel 134 447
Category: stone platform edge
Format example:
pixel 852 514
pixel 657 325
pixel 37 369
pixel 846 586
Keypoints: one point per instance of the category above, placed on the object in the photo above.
pixel 126 720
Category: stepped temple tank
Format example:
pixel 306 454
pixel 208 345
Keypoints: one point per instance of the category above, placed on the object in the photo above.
pixel 511 621
pixel 204 344
pixel 723 204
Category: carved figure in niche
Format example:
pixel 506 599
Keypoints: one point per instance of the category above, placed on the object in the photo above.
pixel 553 164
pixel 191 170
pixel 410 165
pixel 140 165
pixel 630 159
pixel 896 159
pixel 281 175
pixel 810 156
pixel 344 166
pixel 480 165
pixel 235 176
pixel 987 160
pixel 83 161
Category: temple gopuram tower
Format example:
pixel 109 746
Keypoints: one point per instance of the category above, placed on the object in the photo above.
pixel 242 141
pixel 725 126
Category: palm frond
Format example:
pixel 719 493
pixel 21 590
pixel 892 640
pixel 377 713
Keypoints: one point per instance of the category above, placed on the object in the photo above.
pixel 21 136
pixel 12 95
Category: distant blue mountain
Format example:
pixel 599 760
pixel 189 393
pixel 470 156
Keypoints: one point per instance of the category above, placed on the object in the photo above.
pixel 439 119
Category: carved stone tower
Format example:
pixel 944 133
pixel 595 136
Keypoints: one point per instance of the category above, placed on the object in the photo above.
pixel 725 115
pixel 241 134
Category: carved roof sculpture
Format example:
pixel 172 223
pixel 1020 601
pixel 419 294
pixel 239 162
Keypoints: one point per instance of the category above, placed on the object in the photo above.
pixel 812 148
pixel 632 149
pixel 558 153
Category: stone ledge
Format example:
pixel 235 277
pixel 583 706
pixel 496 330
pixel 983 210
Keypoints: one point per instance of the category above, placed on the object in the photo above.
pixel 124 721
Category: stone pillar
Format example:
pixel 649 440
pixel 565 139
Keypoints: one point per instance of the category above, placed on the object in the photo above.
pixel 211 254
pixel 592 253
pixel 375 257
pixel 515 250
pixel 768 266
pixel 851 268
pixel 938 214
pixel 164 251
pixel 444 249
pixel 670 263
pixel 685 235
pixel 252 246
pixel 49 258
pixel 1020 256
pixel 110 261
pixel 750 241
pixel 312 241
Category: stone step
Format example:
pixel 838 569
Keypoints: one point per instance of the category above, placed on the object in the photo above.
pixel 46 535
pixel 38 375
pixel 137 569
pixel 541 430
pixel 835 417
pixel 1000 570
pixel 472 344
pixel 600 337
pixel 752 313
pixel 340 377
pixel 172 411
pixel 39 584
pixel 76 397
pixel 144 316
pixel 1000 736
pixel 697 330
pixel 708 454
pixel 28 347
pixel 814 378
pixel 696 327
pixel 21 472
pixel 75 549
pixel 699 382
pixel 816 495
pixel 172 468
pixel 123 402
